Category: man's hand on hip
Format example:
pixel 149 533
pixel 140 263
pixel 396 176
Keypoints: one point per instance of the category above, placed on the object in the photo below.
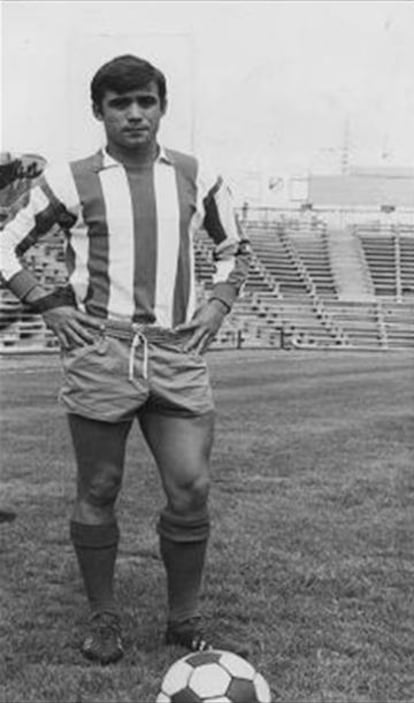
pixel 205 324
pixel 72 327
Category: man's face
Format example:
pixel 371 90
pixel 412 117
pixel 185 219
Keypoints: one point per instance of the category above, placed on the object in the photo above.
pixel 131 119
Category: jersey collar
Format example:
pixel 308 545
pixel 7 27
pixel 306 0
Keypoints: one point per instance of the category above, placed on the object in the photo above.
pixel 103 160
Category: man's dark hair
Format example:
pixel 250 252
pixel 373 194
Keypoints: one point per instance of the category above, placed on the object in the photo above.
pixel 125 73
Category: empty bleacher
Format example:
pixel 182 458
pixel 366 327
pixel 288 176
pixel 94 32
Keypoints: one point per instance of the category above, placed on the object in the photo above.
pixel 380 253
pixel 301 320
pixel 406 254
pixel 399 324
pixel 359 321
pixel 389 253
pixel 287 299
pixel 312 246
pixel 273 253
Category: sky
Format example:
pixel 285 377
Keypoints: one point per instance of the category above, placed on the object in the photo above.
pixel 275 88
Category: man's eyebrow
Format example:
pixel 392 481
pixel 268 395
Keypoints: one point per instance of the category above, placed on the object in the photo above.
pixel 119 97
pixel 128 94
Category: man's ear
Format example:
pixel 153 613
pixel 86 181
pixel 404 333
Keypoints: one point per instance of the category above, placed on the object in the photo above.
pixel 97 112
pixel 164 107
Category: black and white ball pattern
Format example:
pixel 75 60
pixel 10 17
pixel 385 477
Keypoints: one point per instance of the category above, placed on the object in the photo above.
pixel 213 677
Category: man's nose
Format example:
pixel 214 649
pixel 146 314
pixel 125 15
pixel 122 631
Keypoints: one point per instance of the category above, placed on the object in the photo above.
pixel 134 112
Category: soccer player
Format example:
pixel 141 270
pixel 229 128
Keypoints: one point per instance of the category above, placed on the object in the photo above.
pixel 131 337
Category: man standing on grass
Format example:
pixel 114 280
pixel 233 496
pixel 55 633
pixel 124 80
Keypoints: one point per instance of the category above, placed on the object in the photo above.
pixel 131 339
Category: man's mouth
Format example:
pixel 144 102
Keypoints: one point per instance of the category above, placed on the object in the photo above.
pixel 135 130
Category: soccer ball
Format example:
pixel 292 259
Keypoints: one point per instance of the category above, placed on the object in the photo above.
pixel 213 677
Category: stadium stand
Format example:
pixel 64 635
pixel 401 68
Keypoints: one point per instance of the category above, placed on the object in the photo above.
pixel 389 253
pixel 360 322
pixel 406 256
pixel 309 286
pixel 380 251
pixel 350 272
pixel 312 246
pixel 399 324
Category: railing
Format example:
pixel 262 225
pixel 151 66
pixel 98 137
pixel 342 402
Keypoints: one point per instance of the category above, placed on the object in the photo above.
pixel 332 217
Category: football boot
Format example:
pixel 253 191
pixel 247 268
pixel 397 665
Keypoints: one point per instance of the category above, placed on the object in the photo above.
pixel 103 642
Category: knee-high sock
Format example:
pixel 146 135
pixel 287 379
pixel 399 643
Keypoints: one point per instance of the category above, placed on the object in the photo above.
pixel 96 548
pixel 183 543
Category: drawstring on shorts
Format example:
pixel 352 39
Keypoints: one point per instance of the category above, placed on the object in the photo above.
pixel 138 338
pixel 137 335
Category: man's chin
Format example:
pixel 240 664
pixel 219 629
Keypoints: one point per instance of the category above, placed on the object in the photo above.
pixel 138 141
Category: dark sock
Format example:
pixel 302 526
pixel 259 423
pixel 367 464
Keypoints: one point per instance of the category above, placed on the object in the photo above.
pixel 184 564
pixel 96 548
pixel 183 546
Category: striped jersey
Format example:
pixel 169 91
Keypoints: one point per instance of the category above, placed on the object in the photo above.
pixel 129 234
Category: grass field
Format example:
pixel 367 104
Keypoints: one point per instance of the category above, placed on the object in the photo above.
pixel 311 557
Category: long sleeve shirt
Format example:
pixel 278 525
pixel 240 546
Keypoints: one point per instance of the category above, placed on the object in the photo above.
pixel 129 235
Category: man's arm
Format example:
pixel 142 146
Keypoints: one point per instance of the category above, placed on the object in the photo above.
pixel 232 252
pixel 28 220
pixel 231 257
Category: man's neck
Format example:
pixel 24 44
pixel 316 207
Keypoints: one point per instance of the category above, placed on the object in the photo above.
pixel 138 158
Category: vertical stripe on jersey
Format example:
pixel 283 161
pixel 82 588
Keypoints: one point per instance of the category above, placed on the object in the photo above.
pixel 141 183
pixel 168 244
pixel 184 290
pixel 120 226
pixel 95 259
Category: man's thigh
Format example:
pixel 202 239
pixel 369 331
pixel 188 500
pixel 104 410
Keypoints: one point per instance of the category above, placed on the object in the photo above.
pixel 181 446
pixel 99 449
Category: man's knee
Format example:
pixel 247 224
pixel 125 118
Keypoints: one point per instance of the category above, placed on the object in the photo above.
pixel 190 497
pixel 102 490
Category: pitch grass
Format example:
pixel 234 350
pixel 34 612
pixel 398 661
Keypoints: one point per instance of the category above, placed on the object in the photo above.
pixel 311 556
